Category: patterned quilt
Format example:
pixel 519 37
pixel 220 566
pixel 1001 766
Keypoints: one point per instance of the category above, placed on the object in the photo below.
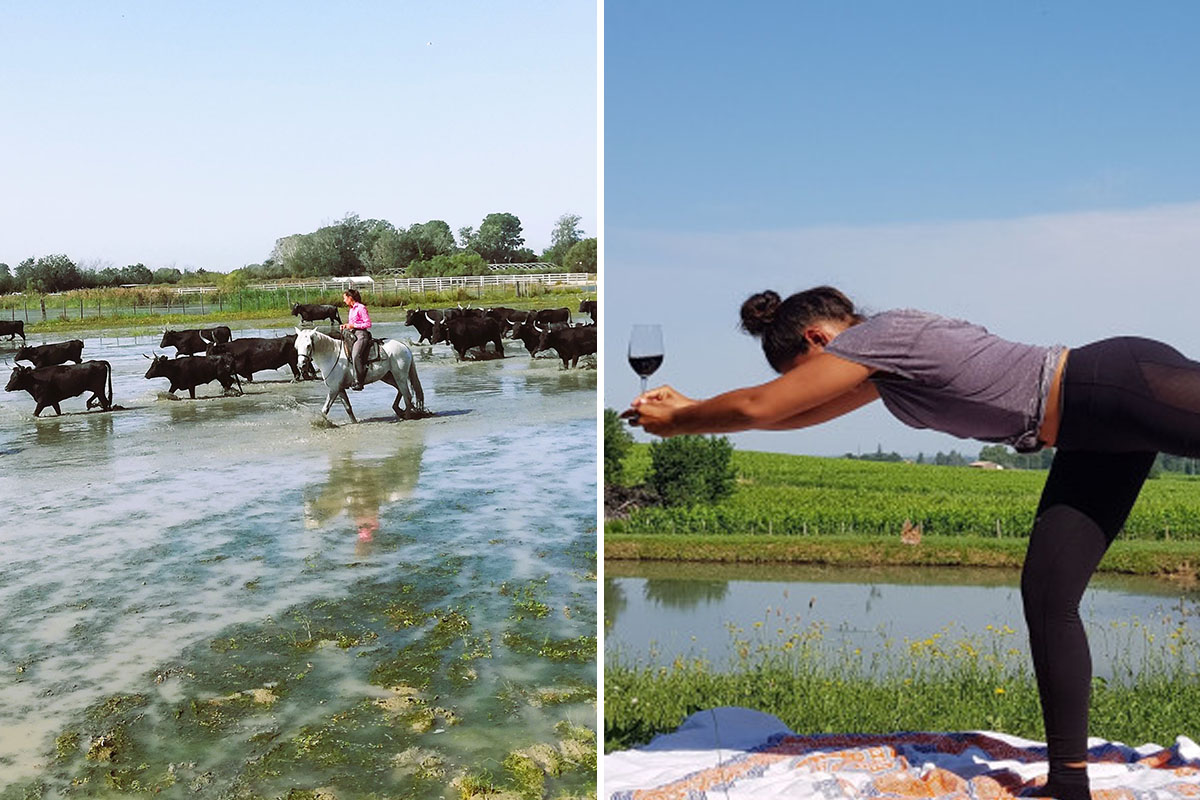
pixel 731 753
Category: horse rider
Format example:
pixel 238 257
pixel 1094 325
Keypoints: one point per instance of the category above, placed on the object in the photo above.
pixel 357 330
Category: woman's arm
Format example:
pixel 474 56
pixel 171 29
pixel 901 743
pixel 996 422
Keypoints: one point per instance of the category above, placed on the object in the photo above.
pixel 819 380
pixel 857 397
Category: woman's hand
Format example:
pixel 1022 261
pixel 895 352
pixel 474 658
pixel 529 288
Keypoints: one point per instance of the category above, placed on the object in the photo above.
pixel 654 411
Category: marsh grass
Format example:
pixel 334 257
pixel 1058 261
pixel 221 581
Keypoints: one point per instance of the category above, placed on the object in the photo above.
pixel 152 310
pixel 945 682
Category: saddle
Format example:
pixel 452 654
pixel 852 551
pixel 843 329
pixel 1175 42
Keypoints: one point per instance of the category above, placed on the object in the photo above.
pixel 374 349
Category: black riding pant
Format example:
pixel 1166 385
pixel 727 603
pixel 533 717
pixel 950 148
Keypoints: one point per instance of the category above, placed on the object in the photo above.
pixel 1124 400
pixel 358 353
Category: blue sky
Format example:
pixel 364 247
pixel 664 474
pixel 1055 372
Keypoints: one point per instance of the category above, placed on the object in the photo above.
pixel 197 134
pixel 1028 166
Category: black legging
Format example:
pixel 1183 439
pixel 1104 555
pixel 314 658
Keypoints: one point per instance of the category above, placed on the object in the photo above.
pixel 1124 400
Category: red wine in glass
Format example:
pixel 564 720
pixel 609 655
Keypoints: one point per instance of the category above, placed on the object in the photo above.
pixel 646 350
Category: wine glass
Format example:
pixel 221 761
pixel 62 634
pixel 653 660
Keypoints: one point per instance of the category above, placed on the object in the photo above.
pixel 645 350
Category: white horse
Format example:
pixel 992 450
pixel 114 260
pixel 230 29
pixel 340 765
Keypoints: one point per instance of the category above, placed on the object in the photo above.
pixel 396 368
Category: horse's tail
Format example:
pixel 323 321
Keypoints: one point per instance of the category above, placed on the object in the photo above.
pixel 415 382
pixel 108 369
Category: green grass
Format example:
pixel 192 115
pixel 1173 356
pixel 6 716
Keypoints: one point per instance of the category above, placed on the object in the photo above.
pixel 800 496
pixel 934 684
pixel 1175 559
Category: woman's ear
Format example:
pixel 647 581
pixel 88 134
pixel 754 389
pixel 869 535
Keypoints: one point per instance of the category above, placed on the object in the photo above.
pixel 816 337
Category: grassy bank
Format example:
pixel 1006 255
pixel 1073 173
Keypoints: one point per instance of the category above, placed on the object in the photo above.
pixel 273 309
pixel 804 496
pixel 1173 559
pixel 934 684
pixel 642 702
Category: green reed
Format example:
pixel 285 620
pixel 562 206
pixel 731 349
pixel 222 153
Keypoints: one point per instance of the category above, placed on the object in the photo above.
pixel 944 682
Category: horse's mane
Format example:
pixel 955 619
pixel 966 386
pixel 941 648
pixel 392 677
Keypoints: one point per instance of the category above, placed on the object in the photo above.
pixel 323 341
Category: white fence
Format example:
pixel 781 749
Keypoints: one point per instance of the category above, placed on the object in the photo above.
pixel 419 284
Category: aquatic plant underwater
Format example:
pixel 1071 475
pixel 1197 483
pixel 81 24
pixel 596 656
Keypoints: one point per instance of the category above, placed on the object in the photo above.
pixel 399 688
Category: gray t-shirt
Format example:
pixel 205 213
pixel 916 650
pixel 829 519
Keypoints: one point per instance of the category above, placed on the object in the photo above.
pixel 953 376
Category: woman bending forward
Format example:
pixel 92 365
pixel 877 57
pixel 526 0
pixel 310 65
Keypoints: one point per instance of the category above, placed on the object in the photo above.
pixel 1108 407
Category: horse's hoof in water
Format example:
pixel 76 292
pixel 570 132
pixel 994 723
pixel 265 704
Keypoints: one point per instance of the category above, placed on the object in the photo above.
pixel 323 422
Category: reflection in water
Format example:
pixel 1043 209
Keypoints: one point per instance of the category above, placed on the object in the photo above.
pixel 91 431
pixel 661 616
pixel 362 487
pixel 615 601
pixel 684 594
pixel 49 432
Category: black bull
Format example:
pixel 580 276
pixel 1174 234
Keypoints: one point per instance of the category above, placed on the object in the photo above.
pixel 531 334
pixel 195 340
pixel 49 386
pixel 188 372
pixel 46 355
pixel 464 333
pixel 311 312
pixel 12 329
pixel 570 343
pixel 425 321
pixel 253 354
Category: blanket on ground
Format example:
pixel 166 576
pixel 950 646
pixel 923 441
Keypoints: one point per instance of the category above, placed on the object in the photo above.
pixel 739 753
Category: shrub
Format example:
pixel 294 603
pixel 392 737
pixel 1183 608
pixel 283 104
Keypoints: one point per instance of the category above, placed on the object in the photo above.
pixel 685 470
pixel 617 443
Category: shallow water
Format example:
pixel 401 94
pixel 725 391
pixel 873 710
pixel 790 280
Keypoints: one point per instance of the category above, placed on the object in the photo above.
pixel 180 551
pixel 655 613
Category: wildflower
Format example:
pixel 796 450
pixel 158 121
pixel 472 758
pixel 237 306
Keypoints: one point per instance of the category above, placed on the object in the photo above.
pixel 999 690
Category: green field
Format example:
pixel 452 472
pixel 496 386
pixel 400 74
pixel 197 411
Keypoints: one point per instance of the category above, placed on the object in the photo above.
pixel 786 495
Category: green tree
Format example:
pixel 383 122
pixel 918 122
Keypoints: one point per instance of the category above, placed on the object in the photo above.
pixel 345 241
pixel 499 238
pixel 686 470
pixel 565 234
pixel 445 266
pixel 618 441
pixel 951 459
pixel 432 238
pixel 136 273
pixel 387 252
pixel 7 282
pixel 581 257
pixel 55 273
pixel 337 249
pixel 235 280
pixel 167 275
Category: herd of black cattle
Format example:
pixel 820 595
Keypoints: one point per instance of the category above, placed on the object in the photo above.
pixel 227 360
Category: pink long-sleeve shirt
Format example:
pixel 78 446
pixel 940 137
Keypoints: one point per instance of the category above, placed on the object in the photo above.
pixel 359 318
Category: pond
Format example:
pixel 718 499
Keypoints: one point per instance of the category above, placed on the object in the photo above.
pixel 655 613
pixel 224 595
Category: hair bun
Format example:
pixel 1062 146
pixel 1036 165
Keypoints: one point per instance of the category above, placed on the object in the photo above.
pixel 758 312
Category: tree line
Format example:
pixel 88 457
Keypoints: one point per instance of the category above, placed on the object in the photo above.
pixel 350 246
pixel 1010 459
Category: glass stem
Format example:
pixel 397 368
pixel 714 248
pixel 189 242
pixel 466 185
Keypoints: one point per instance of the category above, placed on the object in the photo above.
pixel 643 384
